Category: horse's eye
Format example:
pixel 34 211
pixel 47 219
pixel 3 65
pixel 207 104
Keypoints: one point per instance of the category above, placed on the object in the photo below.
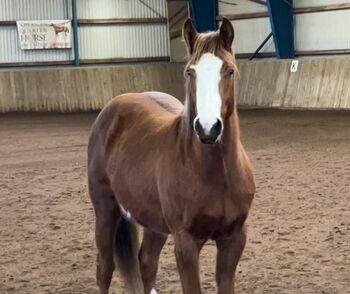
pixel 230 72
pixel 188 73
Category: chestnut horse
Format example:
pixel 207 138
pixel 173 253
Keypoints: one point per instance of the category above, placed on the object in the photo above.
pixel 59 28
pixel 172 169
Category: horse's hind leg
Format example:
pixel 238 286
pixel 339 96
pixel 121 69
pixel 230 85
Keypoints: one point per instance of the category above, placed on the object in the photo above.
pixel 107 218
pixel 150 250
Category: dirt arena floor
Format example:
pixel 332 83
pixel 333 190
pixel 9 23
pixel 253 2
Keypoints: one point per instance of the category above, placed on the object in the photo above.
pixel 298 229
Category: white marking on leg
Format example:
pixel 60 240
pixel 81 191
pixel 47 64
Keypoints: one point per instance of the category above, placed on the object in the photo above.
pixel 208 95
pixel 125 212
pixel 153 291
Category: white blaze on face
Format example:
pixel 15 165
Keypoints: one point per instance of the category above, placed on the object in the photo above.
pixel 208 96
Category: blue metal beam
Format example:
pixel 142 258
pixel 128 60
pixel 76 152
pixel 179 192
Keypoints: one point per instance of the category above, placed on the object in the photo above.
pixel 281 19
pixel 203 14
pixel 75 33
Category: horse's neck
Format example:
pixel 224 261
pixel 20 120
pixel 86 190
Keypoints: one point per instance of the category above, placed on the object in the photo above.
pixel 222 156
pixel 231 138
pixel 186 121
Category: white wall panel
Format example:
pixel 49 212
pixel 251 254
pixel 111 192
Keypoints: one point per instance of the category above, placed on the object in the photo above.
pixel 30 10
pixel 10 51
pixel 113 41
pixel 312 3
pixel 121 8
pixel 122 40
pixel 99 41
pixel 178 50
pixel 178 12
pixel 239 6
pixel 322 30
pixel 34 9
pixel 250 33
pixel 227 7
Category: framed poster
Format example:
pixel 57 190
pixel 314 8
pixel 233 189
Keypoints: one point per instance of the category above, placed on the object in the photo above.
pixel 44 34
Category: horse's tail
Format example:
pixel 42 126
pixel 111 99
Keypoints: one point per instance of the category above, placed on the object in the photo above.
pixel 126 253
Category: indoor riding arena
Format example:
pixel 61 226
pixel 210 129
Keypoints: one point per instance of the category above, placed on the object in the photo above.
pixel 62 61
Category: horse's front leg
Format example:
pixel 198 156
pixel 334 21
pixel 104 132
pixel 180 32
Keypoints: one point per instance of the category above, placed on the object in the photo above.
pixel 187 251
pixel 229 252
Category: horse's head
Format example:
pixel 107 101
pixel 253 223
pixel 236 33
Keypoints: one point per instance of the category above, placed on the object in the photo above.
pixel 209 77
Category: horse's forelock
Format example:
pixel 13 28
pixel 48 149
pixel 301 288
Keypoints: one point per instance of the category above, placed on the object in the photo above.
pixel 210 43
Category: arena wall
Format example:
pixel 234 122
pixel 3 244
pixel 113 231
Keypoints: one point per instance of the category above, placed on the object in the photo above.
pixel 317 84
pixel 83 88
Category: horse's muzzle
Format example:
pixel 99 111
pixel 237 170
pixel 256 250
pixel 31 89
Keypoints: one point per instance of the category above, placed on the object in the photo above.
pixel 211 137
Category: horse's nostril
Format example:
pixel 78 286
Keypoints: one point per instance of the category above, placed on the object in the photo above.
pixel 217 127
pixel 197 126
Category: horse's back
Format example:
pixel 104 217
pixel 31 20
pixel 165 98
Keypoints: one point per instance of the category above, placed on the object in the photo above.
pixel 110 111
pixel 168 102
pixel 147 109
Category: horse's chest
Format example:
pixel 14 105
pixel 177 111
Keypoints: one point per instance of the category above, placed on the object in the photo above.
pixel 216 219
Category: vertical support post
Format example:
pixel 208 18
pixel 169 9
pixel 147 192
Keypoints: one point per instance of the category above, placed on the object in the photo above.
pixel 75 33
pixel 281 19
pixel 203 14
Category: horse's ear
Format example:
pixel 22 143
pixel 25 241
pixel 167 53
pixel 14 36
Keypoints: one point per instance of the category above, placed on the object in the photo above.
pixel 227 33
pixel 189 34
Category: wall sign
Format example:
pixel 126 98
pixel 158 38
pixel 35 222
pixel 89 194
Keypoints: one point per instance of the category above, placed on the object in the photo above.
pixel 294 66
pixel 44 34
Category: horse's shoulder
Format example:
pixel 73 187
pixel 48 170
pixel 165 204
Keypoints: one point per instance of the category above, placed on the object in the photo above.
pixel 246 171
